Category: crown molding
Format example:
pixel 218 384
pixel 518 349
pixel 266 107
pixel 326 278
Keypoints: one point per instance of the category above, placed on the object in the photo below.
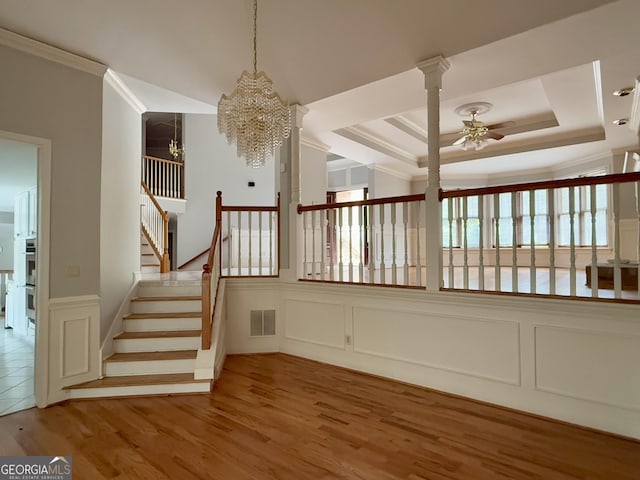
pixel 365 138
pixel 48 52
pixel 390 171
pixel 119 86
pixel 313 143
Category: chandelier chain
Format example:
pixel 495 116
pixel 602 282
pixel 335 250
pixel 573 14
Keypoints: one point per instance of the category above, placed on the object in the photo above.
pixel 255 37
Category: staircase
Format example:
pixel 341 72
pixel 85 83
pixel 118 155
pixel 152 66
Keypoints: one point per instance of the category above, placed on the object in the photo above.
pixel 156 352
pixel 149 262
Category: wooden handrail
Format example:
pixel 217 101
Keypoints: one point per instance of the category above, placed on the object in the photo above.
pixel 209 303
pixel 244 208
pixel 373 201
pixel 545 185
pixel 151 196
pixel 163 160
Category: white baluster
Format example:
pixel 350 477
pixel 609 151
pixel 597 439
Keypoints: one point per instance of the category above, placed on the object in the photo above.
pixel 405 222
pixel 350 220
pixel 394 272
pixel 514 242
pixel 572 242
pixel 382 264
pixel 532 240
pixel 594 244
pixel 496 215
pixel 465 255
pixel 323 243
pixel 481 242
pixel 617 272
pixel 551 206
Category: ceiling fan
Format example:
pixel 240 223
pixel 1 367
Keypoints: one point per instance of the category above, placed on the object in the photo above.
pixel 475 133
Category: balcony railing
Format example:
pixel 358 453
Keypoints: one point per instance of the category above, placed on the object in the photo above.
pixel 165 178
pixel 574 237
pixel 375 242
pixel 571 238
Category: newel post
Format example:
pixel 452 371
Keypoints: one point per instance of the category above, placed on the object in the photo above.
pixel 433 70
pixel 165 264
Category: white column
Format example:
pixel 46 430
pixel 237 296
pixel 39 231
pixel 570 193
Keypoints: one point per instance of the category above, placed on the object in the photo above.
pixel 293 164
pixel 433 70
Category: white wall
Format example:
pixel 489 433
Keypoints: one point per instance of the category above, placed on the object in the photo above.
pixel 47 100
pixel 212 165
pixel 565 359
pixel 119 201
pixel 382 184
pixel 313 174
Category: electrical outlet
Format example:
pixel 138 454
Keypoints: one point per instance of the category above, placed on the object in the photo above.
pixel 347 339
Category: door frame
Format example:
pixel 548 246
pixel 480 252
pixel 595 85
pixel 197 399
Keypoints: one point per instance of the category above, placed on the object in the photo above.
pixel 41 344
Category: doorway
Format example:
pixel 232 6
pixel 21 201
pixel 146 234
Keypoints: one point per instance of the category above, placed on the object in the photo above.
pixel 24 265
pixel 18 239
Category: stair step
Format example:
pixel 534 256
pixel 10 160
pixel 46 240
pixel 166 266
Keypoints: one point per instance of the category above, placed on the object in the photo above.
pixel 161 384
pixel 160 334
pixel 176 315
pixel 157 341
pixel 149 322
pixel 168 299
pixel 161 288
pixel 153 356
pixel 166 304
pixel 150 363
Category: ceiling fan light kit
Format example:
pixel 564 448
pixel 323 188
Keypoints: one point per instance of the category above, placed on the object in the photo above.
pixel 475 134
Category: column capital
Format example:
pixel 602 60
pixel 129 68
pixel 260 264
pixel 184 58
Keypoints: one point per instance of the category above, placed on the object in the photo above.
pixel 433 68
pixel 297 113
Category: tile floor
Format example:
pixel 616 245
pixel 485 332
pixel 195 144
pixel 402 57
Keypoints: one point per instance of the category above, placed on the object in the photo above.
pixel 16 371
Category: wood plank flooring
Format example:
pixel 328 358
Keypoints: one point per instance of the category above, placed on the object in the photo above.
pixel 275 416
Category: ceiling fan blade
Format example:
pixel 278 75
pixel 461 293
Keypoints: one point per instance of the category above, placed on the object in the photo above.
pixel 460 141
pixel 501 125
pixel 467 123
pixel 494 135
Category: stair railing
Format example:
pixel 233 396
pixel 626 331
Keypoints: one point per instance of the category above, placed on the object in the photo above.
pixel 164 178
pixel 211 278
pixel 154 222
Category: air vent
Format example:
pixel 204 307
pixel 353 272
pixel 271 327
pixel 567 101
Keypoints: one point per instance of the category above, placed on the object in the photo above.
pixel 263 323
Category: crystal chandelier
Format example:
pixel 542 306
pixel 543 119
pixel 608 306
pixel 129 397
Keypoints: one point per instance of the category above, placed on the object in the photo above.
pixel 255 117
pixel 174 149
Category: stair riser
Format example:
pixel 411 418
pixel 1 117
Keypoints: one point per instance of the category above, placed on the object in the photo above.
pixel 166 306
pixel 162 324
pixel 140 390
pixel 152 367
pixel 131 345
pixel 146 269
pixel 150 290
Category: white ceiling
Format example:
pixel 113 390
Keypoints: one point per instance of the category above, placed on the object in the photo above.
pixel 18 171
pixel 352 64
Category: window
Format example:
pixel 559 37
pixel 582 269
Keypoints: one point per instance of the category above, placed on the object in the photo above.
pixel 582 220
pixel 522 203
pixel 453 232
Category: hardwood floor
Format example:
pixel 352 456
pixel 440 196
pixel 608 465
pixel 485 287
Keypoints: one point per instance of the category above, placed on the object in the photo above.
pixel 275 416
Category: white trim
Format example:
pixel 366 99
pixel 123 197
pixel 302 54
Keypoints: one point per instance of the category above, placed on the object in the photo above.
pixel 51 53
pixel 41 371
pixel 374 142
pixel 390 171
pixel 116 327
pixel 66 302
pixel 313 143
pixel 125 92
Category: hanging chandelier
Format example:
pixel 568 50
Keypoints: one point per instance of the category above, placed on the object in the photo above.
pixel 254 117
pixel 174 149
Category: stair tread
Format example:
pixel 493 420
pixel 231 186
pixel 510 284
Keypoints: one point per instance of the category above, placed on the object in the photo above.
pixel 138 380
pixel 176 315
pixel 159 334
pixel 176 298
pixel 152 356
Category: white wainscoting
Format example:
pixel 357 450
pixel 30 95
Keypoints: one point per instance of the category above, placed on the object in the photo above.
pixel 479 347
pixel 579 363
pixel 571 360
pixel 321 323
pixel 74 343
